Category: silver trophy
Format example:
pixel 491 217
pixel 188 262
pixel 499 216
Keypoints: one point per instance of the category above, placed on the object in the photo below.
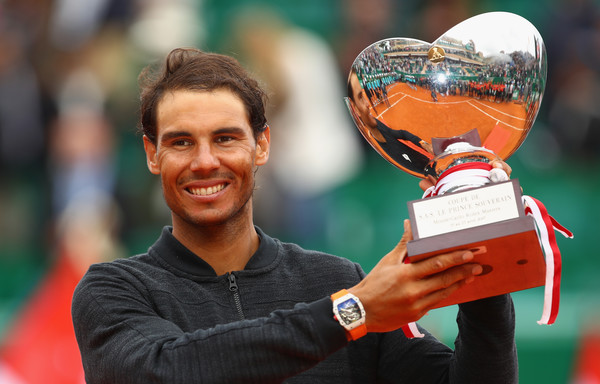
pixel 447 109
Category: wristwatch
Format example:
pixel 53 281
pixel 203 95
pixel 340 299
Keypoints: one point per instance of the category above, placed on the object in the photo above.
pixel 350 313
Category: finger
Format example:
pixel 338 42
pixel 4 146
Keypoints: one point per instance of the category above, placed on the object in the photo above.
pixel 429 300
pixel 427 182
pixel 443 285
pixel 502 165
pixel 438 263
pixel 451 276
pixel 432 299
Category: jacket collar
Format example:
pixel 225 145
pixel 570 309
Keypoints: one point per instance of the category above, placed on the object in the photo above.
pixel 168 248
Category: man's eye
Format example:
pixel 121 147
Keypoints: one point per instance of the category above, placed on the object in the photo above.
pixel 224 139
pixel 181 142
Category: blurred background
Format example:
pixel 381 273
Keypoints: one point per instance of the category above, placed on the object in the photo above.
pixel 74 188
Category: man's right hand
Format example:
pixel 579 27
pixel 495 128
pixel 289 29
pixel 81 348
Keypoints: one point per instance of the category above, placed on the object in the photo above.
pixel 395 293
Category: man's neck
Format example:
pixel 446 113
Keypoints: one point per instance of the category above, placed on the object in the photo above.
pixel 225 247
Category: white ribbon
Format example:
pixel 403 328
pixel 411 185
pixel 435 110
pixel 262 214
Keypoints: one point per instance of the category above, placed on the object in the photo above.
pixel 411 331
pixel 545 226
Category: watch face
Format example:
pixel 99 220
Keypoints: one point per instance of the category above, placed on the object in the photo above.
pixel 349 311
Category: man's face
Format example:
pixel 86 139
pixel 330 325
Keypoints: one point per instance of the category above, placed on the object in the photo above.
pixel 361 102
pixel 206 155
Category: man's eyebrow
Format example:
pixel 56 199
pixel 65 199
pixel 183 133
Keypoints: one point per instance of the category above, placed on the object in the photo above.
pixel 173 135
pixel 168 136
pixel 233 130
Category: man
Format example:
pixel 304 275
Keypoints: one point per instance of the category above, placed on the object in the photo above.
pixel 217 300
pixel 399 146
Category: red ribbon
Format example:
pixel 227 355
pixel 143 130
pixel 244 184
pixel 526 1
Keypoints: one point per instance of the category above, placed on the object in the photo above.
pixel 546 225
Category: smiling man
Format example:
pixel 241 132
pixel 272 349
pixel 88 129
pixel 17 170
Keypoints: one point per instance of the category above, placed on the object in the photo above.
pixel 206 158
pixel 216 300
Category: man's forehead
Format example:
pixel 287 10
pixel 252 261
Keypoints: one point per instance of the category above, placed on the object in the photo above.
pixel 179 97
pixel 183 108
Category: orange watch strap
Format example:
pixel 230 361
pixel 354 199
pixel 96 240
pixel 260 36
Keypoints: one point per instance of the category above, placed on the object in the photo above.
pixel 339 294
pixel 355 333
pixel 358 332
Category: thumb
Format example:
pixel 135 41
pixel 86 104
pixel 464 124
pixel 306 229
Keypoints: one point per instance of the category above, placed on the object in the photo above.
pixel 407 235
pixel 400 249
pixel 427 182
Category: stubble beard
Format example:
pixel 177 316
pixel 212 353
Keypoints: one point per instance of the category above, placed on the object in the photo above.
pixel 237 216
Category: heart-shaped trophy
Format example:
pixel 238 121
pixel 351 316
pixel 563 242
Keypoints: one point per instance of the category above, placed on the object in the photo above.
pixel 447 109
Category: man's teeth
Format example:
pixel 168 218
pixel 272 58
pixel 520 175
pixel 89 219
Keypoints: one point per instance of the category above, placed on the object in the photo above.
pixel 207 191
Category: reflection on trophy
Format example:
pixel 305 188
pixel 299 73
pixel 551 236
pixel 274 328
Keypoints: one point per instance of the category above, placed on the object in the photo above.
pixel 396 145
pixel 447 109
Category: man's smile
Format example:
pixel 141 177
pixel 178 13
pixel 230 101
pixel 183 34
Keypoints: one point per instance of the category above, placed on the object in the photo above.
pixel 202 191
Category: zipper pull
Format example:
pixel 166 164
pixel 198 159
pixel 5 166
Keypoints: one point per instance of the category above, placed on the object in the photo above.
pixel 233 287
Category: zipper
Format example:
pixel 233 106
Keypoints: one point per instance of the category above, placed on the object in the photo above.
pixel 233 288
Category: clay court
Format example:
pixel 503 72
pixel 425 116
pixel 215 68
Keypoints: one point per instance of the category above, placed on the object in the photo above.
pixel 501 125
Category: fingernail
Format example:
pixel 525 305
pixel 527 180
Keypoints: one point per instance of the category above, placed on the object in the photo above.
pixel 477 269
pixel 467 256
pixel 405 225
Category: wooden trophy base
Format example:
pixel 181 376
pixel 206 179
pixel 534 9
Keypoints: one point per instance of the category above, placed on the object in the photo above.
pixel 508 251
pixel 490 221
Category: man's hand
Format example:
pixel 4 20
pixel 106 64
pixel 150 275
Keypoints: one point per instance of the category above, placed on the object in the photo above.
pixel 395 293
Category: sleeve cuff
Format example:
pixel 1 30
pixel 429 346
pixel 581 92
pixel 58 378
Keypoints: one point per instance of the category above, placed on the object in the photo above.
pixel 330 331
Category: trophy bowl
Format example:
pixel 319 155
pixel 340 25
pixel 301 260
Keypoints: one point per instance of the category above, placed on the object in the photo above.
pixel 479 84
pixel 447 109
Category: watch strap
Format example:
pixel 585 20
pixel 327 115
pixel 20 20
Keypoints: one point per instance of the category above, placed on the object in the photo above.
pixel 339 294
pixel 354 333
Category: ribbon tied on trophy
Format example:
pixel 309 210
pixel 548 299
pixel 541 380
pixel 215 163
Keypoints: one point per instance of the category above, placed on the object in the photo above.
pixel 446 110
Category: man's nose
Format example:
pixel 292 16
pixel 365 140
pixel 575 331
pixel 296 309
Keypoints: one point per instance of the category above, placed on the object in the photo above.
pixel 205 158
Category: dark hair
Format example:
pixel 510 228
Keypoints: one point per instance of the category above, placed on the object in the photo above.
pixel 349 85
pixel 193 69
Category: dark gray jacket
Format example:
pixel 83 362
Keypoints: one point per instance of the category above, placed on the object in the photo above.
pixel 166 317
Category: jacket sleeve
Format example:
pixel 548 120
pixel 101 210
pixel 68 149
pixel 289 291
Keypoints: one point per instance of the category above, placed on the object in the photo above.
pixel 485 349
pixel 406 135
pixel 485 346
pixel 122 339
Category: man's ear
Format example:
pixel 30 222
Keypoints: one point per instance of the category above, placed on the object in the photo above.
pixel 263 146
pixel 151 158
